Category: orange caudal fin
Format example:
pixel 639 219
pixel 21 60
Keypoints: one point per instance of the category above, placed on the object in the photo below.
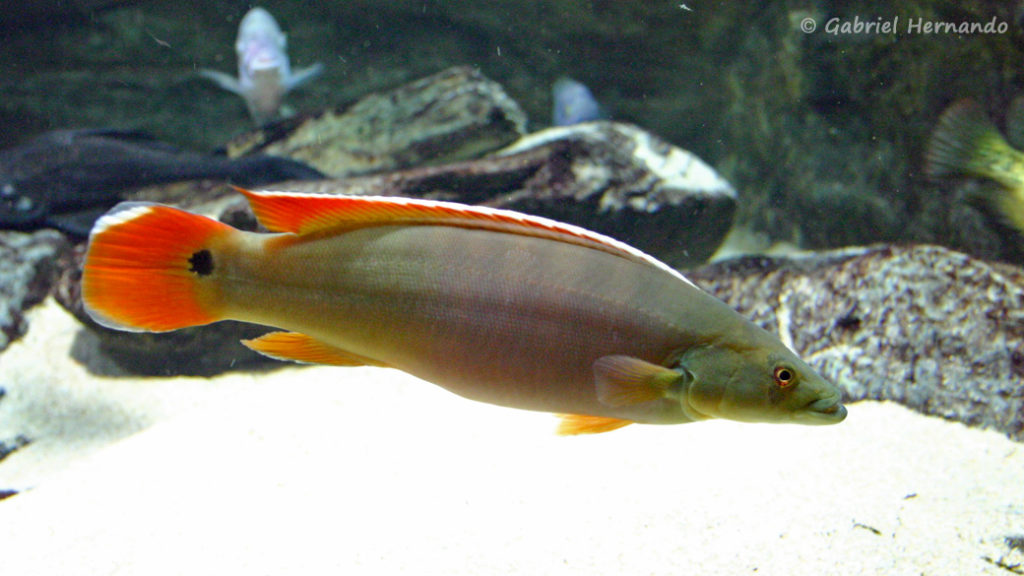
pixel 151 268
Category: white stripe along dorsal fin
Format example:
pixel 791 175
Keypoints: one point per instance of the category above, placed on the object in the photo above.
pixel 303 214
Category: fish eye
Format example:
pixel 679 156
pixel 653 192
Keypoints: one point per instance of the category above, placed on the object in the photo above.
pixel 784 377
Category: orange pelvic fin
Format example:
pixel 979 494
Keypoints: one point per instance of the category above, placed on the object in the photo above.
pixel 301 348
pixel 573 424
pixel 149 268
pixel 326 213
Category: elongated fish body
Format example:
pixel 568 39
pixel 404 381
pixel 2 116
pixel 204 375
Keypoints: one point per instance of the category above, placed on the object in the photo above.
pixel 498 309
pixel 492 305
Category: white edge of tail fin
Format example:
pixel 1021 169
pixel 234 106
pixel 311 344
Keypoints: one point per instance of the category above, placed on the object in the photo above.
pixel 119 214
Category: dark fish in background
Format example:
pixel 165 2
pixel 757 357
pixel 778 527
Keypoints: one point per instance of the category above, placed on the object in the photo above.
pixel 68 178
pixel 967 143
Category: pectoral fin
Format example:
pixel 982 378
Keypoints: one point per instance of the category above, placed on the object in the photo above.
pixel 583 424
pixel 300 77
pixel 225 81
pixel 628 381
pixel 301 348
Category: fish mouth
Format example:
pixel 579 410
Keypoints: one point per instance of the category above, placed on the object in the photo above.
pixel 824 411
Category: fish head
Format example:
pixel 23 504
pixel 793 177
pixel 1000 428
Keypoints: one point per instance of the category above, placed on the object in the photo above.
pixel 758 383
pixel 261 47
pixel 17 209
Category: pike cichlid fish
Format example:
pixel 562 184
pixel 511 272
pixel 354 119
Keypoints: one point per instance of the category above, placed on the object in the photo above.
pixel 967 143
pixel 492 305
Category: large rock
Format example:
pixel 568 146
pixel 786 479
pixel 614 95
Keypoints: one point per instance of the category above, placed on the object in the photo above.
pixel 933 329
pixel 453 115
pixel 632 185
pixel 29 265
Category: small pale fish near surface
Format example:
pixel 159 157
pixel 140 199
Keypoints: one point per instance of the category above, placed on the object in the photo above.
pixel 573 103
pixel 264 71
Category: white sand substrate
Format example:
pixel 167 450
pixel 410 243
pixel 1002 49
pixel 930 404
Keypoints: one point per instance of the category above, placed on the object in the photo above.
pixel 322 470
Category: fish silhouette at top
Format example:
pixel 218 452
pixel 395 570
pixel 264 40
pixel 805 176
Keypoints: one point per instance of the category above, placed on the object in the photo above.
pixel 264 72
pixel 493 305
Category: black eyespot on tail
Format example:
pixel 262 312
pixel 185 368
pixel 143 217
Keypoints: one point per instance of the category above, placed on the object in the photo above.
pixel 201 263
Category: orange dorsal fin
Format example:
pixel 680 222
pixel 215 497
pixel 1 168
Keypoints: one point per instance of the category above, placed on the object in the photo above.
pixel 304 214
pixel 151 268
pixel 572 424
pixel 296 347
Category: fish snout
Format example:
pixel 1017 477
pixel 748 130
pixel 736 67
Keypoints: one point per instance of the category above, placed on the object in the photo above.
pixel 828 410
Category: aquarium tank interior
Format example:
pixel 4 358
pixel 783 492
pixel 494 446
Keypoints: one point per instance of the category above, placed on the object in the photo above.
pixel 545 287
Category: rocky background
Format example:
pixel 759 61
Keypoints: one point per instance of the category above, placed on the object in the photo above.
pixel 821 134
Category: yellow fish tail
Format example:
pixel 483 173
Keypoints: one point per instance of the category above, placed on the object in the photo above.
pixel 147 268
pixel 966 143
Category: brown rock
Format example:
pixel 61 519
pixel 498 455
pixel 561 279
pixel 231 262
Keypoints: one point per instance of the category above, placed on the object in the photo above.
pixel 450 116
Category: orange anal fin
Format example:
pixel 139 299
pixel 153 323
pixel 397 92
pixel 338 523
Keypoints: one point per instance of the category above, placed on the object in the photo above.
pixel 295 347
pixel 573 424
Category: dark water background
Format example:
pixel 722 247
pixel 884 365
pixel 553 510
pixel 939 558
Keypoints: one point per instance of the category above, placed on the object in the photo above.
pixel 822 134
